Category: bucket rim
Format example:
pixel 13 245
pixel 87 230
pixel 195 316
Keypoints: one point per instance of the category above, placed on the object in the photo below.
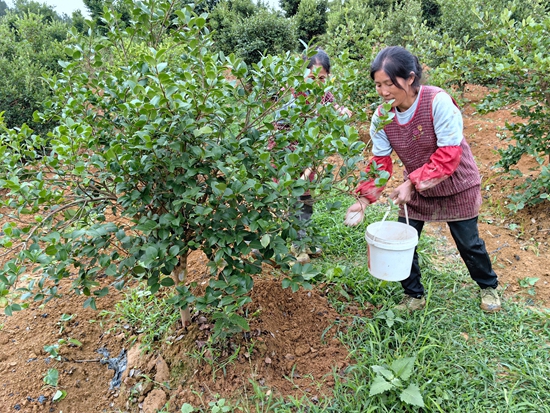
pixel 410 233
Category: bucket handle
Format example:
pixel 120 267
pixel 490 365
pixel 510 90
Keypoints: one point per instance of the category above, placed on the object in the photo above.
pixel 386 215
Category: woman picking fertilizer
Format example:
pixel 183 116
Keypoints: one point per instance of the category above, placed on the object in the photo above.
pixel 441 179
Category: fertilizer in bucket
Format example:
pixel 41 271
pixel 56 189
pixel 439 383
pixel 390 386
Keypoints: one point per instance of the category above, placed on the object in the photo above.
pixel 390 249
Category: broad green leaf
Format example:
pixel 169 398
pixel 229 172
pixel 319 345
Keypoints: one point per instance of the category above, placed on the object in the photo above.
pixel 147 226
pixel 265 240
pixel 240 321
pixel 59 395
pixel 138 270
pixel 383 371
pixel 205 130
pixel 51 250
pixel 167 282
pixel 161 67
pixel 412 396
pixel 52 377
pixel 379 385
pixel 187 408
pixel 90 302
pixel 293 159
pixel 309 272
pixel 403 368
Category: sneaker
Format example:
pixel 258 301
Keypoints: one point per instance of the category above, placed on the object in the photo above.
pixel 409 304
pixel 312 252
pixel 256 253
pixel 303 258
pixel 490 301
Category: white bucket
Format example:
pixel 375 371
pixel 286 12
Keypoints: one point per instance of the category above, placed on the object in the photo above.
pixel 391 249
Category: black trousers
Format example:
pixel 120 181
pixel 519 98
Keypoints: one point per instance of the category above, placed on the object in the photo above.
pixel 471 248
pixel 305 212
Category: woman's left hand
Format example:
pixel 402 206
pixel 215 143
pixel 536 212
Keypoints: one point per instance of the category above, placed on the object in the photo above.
pixel 403 193
pixel 343 111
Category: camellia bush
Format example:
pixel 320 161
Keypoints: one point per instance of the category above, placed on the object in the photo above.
pixel 516 65
pixel 172 150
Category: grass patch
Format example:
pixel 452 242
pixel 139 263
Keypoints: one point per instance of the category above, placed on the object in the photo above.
pixel 465 360
pixel 146 314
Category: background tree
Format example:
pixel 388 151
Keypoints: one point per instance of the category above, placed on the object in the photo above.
pixel 311 19
pixel 290 7
pixel 3 7
pixel 250 30
pixel 431 13
pixel 78 21
pixel 30 47
pixel 514 63
pixel 95 8
pixel 48 13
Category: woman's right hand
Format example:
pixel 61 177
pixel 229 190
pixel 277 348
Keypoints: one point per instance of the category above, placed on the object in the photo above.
pixel 356 213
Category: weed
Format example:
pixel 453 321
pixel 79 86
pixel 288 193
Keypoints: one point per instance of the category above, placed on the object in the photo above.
pixel 529 284
pixel 393 377
pixel 212 356
pixel 146 314
pixel 64 319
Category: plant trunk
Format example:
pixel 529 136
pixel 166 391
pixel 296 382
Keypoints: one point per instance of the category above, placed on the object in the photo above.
pixel 179 275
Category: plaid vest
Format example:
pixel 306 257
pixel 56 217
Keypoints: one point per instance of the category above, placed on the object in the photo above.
pixel 415 141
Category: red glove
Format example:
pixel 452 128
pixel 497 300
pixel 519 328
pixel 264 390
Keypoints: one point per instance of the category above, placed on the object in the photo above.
pixel 368 189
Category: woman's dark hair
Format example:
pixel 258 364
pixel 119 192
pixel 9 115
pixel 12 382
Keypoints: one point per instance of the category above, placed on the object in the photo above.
pixel 396 62
pixel 319 59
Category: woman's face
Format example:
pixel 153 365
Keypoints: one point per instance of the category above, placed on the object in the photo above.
pixel 318 74
pixel 403 97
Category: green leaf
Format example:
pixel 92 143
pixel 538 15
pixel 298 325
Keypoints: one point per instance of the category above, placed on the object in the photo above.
pixel 90 302
pixel 119 285
pixel 412 396
pixel 59 395
pixel 167 282
pixel 265 240
pixel 403 367
pixel 293 159
pixel 102 293
pixel 240 321
pixel 154 288
pixel 309 272
pixel 75 342
pixel 161 67
pixel 205 130
pixel 379 385
pixel 147 226
pixel 52 377
pixel 138 270
pixel 187 408
pixel 383 371
pixel 51 250
pixel 52 350
pixel 111 270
